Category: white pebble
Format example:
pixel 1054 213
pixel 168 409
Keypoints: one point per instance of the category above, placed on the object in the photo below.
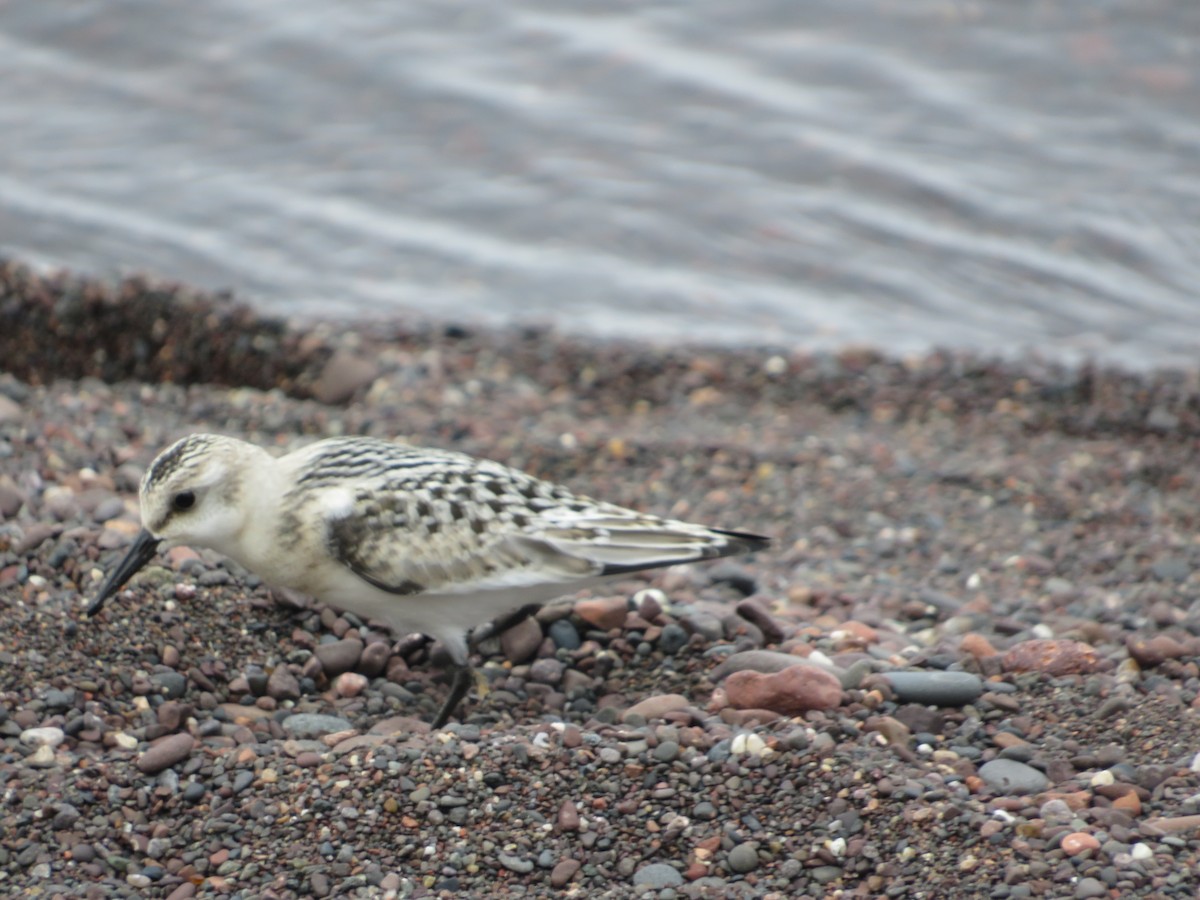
pixel 1103 778
pixel 775 365
pixel 41 758
pixel 43 737
pixel 837 847
pixel 1140 851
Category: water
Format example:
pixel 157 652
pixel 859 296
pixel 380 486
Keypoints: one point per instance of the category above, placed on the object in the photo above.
pixel 1004 176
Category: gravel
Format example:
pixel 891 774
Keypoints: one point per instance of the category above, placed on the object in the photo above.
pixel 997 561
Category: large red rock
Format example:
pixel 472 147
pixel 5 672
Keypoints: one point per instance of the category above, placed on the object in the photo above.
pixel 790 692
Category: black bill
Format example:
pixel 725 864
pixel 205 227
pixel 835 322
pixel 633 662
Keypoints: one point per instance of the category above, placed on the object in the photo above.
pixel 145 545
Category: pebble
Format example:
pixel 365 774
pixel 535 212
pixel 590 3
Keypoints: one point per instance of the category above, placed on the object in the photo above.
pixel 350 684
pixel 517 864
pixel 165 753
pixel 1007 776
pixel 790 692
pixel 657 876
pixel 935 688
pixel 1055 657
pixel 521 642
pixel 672 639
pixel 337 657
pixel 346 373
pixel 764 661
pixel 565 635
pixel 546 671
pixel 743 858
pixel 43 737
pixel 604 613
pixel 563 872
pixel 657 706
pixel 282 684
pixel 310 725
pixel 1079 842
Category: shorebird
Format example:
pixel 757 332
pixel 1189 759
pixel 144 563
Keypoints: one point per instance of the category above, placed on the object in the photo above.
pixel 428 541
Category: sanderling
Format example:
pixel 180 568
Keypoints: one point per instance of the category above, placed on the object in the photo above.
pixel 427 541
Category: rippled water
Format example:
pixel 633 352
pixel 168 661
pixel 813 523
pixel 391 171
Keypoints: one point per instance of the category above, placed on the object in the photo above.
pixel 1002 174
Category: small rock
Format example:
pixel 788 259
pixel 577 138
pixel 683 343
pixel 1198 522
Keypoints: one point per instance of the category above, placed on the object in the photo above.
pixel 283 685
pixel 673 639
pixel 762 661
pixel 658 706
pixel 793 691
pixel 309 725
pixel 744 857
pixel 41 758
pixel 704 624
pixel 337 657
pixel 516 864
pixel 737 576
pixel 667 751
pixel 546 671
pixel 1008 776
pixel 753 611
pixel 350 684
pixel 165 753
pixel 345 373
pixel 657 876
pixel 566 637
pixel 568 816
pixel 604 613
pixel 375 658
pixel 935 688
pixel 520 643
pixel 1054 657
pixel 1077 842
pixel 563 872
pixel 1155 650
pixel 47 736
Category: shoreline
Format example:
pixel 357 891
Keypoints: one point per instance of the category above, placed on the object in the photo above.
pixel 939 516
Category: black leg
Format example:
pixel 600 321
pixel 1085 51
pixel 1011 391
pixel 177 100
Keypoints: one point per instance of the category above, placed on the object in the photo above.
pixel 502 624
pixel 463 676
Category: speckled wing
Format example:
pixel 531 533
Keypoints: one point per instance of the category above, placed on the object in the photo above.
pixel 460 525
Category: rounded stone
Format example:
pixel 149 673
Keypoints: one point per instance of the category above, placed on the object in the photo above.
pixel 935 688
pixel 1007 776
pixel 657 875
pixel 744 857
pixel 165 753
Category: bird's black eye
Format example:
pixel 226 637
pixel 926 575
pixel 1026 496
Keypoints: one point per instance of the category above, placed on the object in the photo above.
pixel 184 500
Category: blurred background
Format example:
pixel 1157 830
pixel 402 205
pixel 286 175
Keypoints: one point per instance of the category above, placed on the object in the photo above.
pixel 1007 176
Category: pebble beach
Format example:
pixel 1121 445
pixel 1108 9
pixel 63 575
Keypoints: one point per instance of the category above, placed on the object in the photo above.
pixel 968 666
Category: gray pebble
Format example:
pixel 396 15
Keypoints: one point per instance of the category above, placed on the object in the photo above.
pixel 1011 777
pixel 304 725
pixel 744 857
pixel 935 688
pixel 565 635
pixel 673 638
pixel 657 875
pixel 171 684
pixel 667 751
pixel 546 671
pixel 516 863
